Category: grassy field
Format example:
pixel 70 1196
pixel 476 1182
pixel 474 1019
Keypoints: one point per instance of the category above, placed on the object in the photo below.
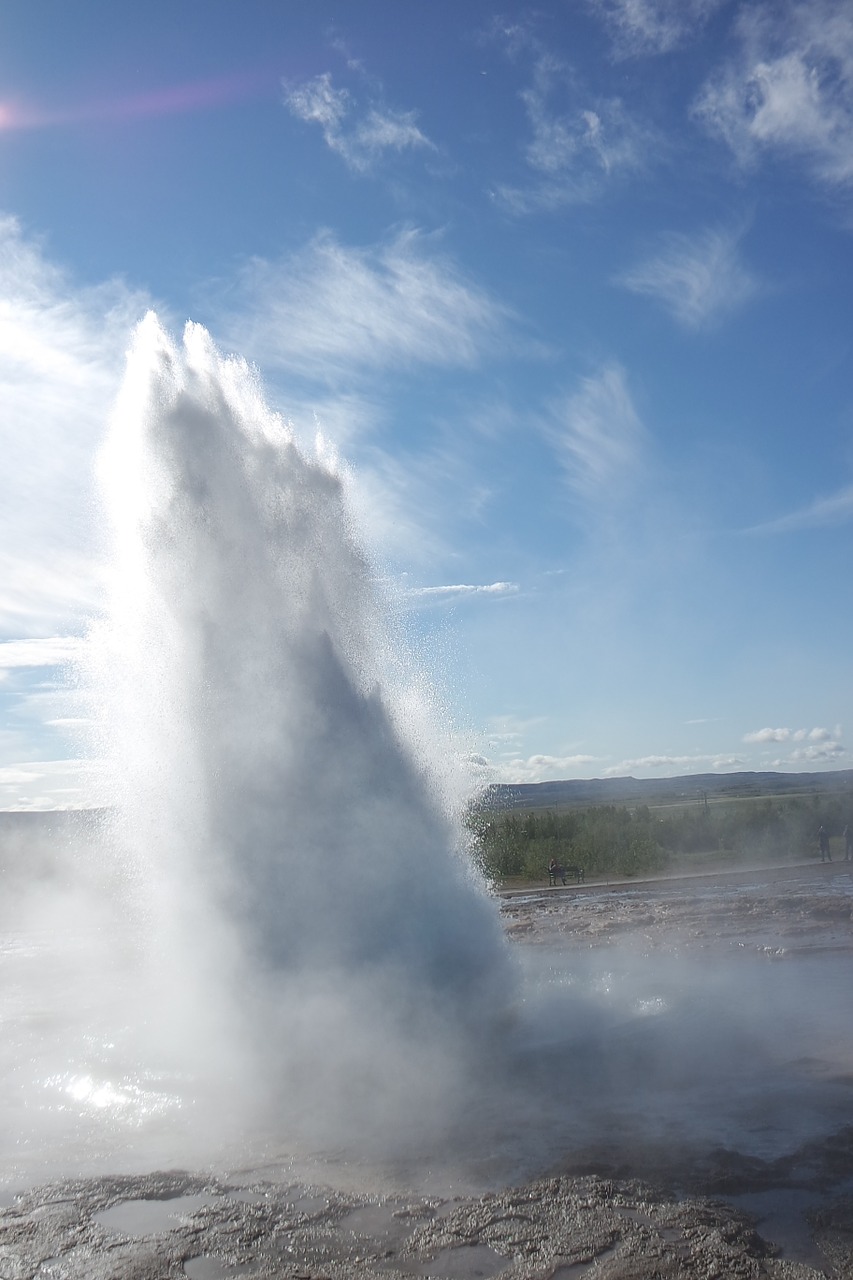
pixel 675 834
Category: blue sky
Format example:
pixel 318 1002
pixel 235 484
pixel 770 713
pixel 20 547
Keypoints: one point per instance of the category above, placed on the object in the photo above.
pixel 568 286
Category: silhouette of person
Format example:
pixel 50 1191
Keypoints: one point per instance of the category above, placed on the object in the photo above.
pixel 848 844
pixel 554 870
pixel 823 842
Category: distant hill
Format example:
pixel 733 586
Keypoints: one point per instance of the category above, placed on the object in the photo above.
pixel 627 791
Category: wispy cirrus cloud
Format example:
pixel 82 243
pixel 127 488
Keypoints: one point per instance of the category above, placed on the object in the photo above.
pixel 788 89
pixel 44 651
pixel 699 279
pixel 835 509
pixel 61 354
pixel 578 141
pixel 640 27
pixel 599 436
pixel 360 135
pixel 333 311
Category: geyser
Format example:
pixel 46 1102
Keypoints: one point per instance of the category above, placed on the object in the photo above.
pixel 293 937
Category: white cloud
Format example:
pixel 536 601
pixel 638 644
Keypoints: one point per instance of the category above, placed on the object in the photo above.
pixel 572 152
pixel 462 589
pixel 768 735
pixel 653 26
pixel 789 88
pixel 360 136
pixel 51 784
pixel 816 735
pixel 599 436
pixel 698 278
pixel 47 651
pixel 333 312
pixel 833 510
pixel 316 102
pixel 539 768
pixel 826 752
pixel 61 351
pixel 688 764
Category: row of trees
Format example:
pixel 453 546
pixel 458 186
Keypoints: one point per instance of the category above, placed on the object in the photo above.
pixel 625 842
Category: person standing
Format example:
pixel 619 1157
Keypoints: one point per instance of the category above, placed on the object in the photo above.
pixel 848 844
pixel 823 842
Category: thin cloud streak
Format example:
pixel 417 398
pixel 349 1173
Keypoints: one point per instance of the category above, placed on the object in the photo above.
pixel 61 351
pixel 46 651
pixel 834 510
pixel 699 279
pixel 334 312
pixel 642 27
pixel 362 141
pixel 599 436
pixel 573 153
pixel 459 590
pixel 688 764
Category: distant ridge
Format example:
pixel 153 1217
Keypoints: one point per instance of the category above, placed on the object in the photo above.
pixel 592 791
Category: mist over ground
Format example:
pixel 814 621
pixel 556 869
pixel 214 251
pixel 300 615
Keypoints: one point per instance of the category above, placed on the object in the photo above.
pixel 273 952
pixel 276 923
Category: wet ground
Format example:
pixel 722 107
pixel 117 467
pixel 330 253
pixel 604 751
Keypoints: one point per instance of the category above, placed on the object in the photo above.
pixel 687 1052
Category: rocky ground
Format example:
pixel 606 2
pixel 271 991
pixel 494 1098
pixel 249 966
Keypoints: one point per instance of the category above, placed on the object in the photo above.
pixel 664 1213
pixel 782 907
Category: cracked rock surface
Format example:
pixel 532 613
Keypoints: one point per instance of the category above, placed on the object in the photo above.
pixel 562 1227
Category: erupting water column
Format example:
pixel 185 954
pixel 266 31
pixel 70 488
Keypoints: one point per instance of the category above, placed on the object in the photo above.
pixel 299 886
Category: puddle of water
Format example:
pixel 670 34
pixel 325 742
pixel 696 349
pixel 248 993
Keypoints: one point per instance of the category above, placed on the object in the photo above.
pixel 376 1221
pixel 150 1217
pixel 309 1204
pixel 207 1268
pixel 462 1262
pixel 465 1262
pixel 780 1219
pixel 248 1197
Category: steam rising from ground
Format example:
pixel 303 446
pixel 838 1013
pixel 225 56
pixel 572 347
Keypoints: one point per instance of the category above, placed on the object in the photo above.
pixel 302 934
pixel 277 947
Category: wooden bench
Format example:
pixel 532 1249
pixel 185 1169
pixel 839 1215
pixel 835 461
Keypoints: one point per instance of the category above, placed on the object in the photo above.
pixel 562 873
